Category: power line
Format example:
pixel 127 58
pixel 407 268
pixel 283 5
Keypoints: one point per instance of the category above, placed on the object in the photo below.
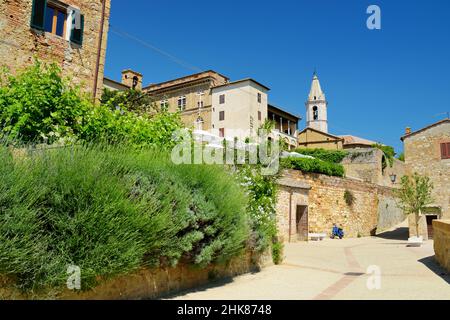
pixel 154 48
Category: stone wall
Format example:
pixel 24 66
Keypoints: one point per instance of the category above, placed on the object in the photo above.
pixel 442 242
pixel 423 155
pixel 149 283
pixel 374 209
pixel 20 44
pixel 366 164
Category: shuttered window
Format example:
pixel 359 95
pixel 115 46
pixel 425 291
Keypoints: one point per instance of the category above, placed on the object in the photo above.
pixel 38 14
pixel 445 150
pixel 221 115
pixel 55 21
pixel 77 34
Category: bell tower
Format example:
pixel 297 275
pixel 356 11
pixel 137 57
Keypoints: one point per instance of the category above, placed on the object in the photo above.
pixel 316 107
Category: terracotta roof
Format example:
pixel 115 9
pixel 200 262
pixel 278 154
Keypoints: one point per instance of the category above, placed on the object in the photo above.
pixel 426 128
pixel 349 139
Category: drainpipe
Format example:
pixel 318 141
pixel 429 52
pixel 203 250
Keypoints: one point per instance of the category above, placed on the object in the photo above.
pixel 99 49
pixel 290 214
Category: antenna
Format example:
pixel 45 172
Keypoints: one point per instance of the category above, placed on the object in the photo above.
pixel 443 113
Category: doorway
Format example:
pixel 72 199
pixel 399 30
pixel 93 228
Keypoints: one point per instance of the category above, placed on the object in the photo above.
pixel 301 224
pixel 430 219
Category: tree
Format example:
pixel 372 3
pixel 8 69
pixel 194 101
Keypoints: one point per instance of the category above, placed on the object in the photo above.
pixel 414 195
pixel 130 100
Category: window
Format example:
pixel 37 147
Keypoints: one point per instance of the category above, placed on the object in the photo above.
pixel 182 103
pixel 259 115
pixel 199 123
pixel 200 104
pixel 259 97
pixel 53 17
pixel 222 132
pixel 221 115
pixel 222 99
pixel 445 150
pixel 164 105
pixel 55 21
pixel 315 113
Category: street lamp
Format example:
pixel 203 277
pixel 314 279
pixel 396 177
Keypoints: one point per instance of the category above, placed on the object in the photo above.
pixel 393 178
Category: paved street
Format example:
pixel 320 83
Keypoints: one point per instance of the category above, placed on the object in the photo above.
pixel 336 269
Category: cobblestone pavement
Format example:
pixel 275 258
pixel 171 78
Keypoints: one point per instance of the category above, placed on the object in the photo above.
pixel 338 269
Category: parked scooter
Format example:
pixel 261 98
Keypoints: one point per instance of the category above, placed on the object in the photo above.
pixel 337 232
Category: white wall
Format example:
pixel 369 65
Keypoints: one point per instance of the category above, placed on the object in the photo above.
pixel 241 108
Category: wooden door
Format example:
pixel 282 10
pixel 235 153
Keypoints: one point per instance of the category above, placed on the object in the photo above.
pixel 302 223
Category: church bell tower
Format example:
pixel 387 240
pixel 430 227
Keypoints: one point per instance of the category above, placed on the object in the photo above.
pixel 316 107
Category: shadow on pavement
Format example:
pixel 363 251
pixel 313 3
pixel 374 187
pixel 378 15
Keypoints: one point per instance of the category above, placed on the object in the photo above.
pixel 210 285
pixel 401 233
pixel 432 264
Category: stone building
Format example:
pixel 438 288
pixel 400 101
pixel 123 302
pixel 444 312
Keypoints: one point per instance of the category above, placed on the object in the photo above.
pixel 71 33
pixel 191 95
pixel 312 203
pixel 427 152
pixel 313 138
pixel 209 101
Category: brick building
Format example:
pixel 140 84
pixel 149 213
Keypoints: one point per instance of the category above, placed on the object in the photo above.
pixel 71 33
pixel 427 152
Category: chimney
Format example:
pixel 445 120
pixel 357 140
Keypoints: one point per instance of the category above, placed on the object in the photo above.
pixel 132 79
pixel 408 131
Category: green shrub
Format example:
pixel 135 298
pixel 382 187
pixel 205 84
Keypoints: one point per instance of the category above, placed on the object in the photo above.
pixel 313 166
pixel 334 156
pixel 112 210
pixel 277 252
pixel 262 193
pixel 39 106
pixel 349 198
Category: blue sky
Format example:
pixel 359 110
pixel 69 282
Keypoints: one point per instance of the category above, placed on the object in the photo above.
pixel 377 82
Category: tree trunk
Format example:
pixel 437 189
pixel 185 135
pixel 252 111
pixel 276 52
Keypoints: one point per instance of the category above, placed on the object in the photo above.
pixel 417 224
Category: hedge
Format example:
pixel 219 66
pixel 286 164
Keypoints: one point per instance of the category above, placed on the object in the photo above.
pixel 313 166
pixel 334 156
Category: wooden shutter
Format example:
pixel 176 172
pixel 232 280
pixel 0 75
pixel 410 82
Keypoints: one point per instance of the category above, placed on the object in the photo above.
pixel 38 14
pixel 77 34
pixel 445 150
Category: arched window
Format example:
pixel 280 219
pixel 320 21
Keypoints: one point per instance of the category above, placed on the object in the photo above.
pixel 315 113
pixel 135 82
